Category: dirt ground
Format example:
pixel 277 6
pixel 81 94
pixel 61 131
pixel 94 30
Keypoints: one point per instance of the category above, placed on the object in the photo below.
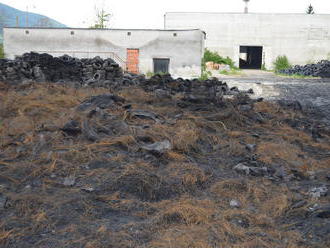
pixel 95 167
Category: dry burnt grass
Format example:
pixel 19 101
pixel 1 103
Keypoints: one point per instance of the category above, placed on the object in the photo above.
pixel 94 185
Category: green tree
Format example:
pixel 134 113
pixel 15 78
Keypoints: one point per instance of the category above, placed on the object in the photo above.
pixel 310 10
pixel 2 24
pixel 102 19
pixel 2 54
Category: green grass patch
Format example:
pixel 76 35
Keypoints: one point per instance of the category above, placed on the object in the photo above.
pixel 151 74
pixel 231 72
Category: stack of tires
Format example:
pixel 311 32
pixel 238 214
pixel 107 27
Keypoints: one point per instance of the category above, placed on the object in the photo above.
pixel 46 68
pixel 321 69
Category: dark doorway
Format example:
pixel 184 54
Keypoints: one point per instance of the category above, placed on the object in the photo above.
pixel 161 65
pixel 250 57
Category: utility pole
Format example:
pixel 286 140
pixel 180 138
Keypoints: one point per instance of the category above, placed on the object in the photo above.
pixel 246 9
pixel 27 14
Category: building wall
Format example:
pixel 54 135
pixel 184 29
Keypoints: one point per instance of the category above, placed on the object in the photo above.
pixel 302 38
pixel 185 49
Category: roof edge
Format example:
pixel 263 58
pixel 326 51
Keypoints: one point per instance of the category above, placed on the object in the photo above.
pixel 106 29
pixel 241 13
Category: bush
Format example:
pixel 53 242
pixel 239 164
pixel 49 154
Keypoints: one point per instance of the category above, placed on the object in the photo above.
pixel 210 56
pixel 2 54
pixel 205 75
pixel 281 63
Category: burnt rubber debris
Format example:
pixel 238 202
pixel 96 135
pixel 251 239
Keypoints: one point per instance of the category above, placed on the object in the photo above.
pixel 126 161
pixel 320 69
pixel 46 68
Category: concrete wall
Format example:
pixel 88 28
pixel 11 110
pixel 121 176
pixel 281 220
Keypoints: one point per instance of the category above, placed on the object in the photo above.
pixel 185 49
pixel 301 37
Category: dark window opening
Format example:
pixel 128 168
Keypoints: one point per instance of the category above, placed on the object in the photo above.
pixel 27 31
pixel 161 65
pixel 129 33
pixel 72 32
pixel 250 57
pixel 175 34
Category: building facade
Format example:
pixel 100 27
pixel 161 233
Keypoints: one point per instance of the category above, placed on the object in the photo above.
pixel 255 40
pixel 178 52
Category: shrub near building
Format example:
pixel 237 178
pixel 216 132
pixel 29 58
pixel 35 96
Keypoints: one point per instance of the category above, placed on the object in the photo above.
pixel 214 61
pixel 210 56
pixel 281 63
pixel 2 54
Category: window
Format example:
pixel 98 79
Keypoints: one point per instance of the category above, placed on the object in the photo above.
pixel 27 32
pixel 72 33
pixel 129 33
pixel 175 34
pixel 161 65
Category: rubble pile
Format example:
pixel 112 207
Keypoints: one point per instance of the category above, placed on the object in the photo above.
pixel 46 68
pixel 321 69
pixel 210 90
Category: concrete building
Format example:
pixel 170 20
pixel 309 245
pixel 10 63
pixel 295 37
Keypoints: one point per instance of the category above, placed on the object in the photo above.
pixel 253 40
pixel 178 52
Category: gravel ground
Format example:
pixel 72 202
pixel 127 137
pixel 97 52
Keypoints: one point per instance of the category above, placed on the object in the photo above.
pixel 311 93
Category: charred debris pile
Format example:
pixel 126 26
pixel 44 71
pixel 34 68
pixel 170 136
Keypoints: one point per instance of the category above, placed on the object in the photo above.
pixel 159 163
pixel 46 68
pixel 320 69
pixel 97 72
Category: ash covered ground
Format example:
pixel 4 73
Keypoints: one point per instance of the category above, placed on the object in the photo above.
pixel 158 162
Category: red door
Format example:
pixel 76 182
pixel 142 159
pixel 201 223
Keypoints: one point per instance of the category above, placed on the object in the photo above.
pixel 133 60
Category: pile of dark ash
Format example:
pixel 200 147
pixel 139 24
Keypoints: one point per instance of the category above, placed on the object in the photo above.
pixel 165 163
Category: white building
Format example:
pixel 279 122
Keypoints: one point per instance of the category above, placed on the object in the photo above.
pixel 253 40
pixel 178 52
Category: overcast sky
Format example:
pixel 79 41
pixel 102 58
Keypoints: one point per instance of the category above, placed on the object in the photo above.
pixel 149 13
